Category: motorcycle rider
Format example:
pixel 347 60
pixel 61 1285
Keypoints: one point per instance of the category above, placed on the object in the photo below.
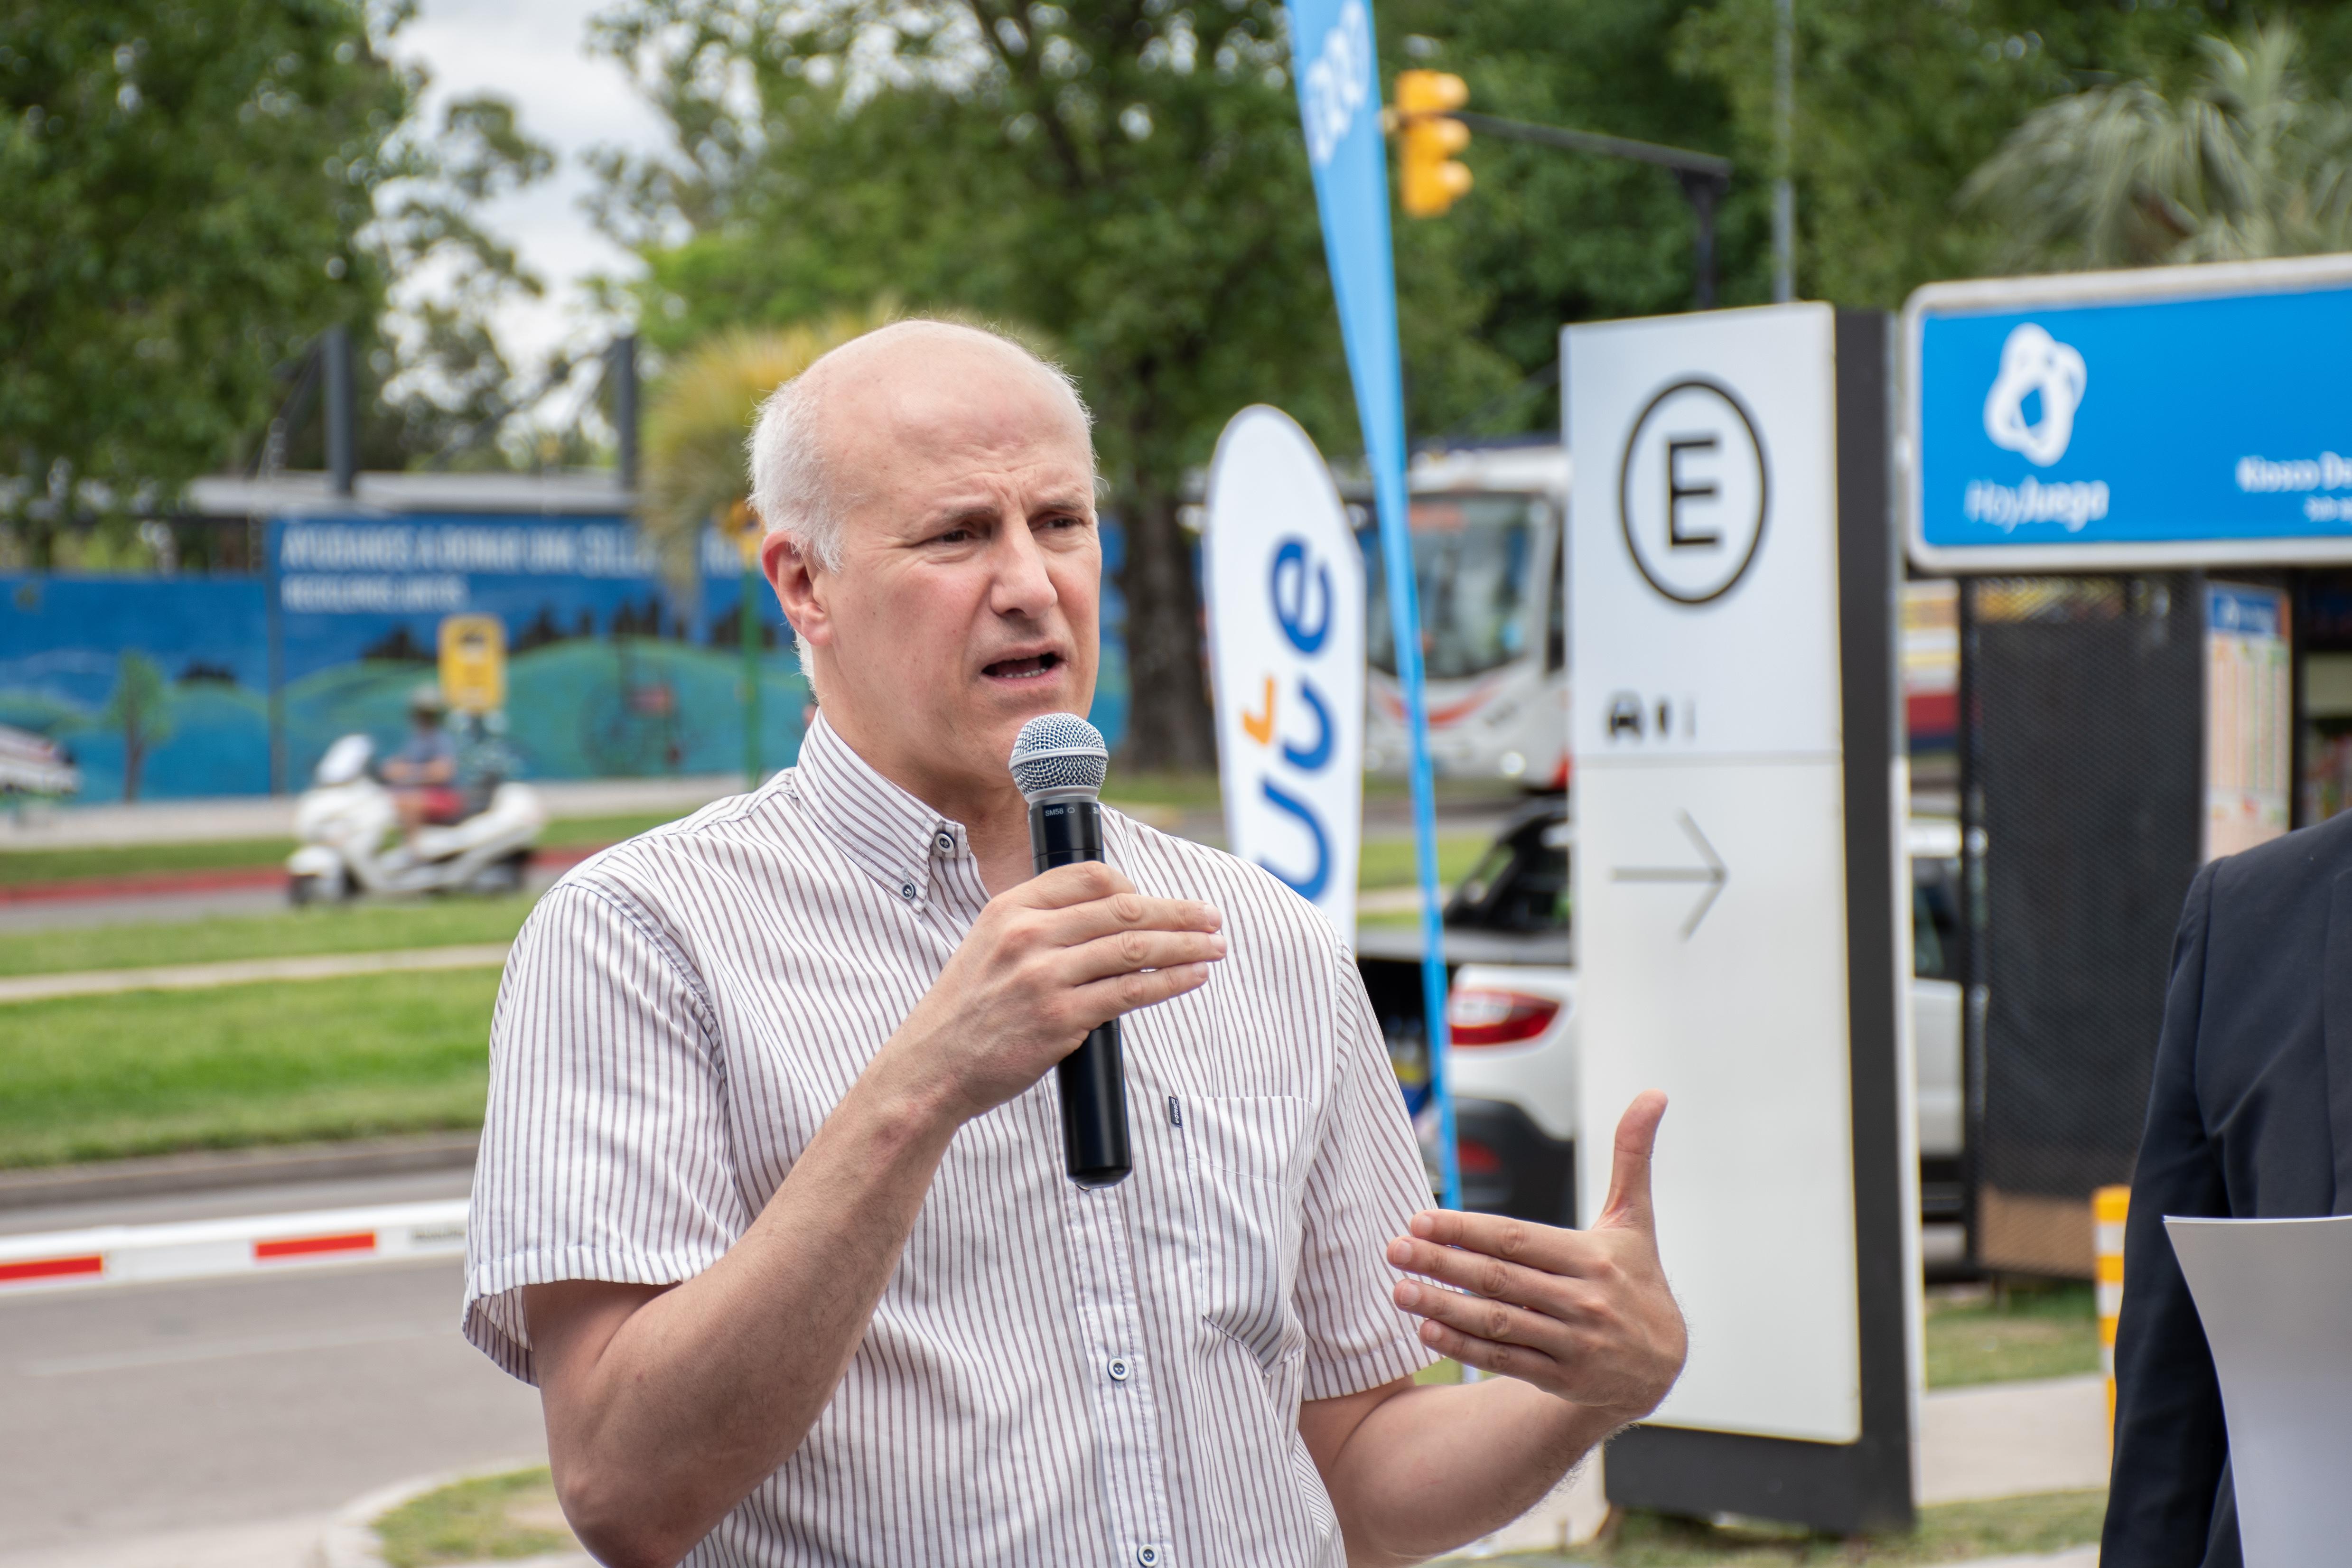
pixel 423 772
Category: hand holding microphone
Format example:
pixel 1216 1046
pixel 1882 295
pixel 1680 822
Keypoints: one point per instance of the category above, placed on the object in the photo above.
pixel 1058 762
pixel 1047 964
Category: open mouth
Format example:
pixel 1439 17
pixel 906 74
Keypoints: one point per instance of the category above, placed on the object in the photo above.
pixel 1033 666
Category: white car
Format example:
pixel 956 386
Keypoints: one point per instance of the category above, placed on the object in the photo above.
pixel 1512 1021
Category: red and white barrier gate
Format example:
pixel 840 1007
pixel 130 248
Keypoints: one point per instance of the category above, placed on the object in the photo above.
pixel 196 1250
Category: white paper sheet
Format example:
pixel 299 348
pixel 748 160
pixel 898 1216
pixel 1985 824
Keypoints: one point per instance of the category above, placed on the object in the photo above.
pixel 2275 1295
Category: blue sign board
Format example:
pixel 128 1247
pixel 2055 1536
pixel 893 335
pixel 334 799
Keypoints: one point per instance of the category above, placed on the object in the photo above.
pixel 2177 416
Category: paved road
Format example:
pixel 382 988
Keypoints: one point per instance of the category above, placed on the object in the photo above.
pixel 222 1421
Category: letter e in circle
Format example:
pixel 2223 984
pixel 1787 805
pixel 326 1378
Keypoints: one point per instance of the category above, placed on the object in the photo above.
pixel 1693 491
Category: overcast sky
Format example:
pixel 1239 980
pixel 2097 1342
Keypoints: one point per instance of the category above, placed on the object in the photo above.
pixel 534 53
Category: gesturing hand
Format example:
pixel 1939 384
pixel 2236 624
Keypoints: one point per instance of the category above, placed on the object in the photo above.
pixel 1044 963
pixel 1584 1314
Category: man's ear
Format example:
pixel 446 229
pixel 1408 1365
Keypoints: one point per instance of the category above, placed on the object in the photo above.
pixel 799 587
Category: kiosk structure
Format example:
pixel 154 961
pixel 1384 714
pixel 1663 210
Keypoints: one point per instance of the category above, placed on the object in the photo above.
pixel 2144 481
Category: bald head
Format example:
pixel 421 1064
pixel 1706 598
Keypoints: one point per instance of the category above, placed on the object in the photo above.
pixel 904 383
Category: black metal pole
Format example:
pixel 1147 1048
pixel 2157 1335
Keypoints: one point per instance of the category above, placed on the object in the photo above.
pixel 1702 189
pixel 342 415
pixel 1703 176
pixel 624 406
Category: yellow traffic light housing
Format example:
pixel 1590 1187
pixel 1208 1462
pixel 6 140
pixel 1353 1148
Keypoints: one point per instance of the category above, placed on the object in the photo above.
pixel 1428 139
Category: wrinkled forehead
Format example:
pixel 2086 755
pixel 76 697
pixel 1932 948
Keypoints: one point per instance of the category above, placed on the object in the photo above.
pixel 932 401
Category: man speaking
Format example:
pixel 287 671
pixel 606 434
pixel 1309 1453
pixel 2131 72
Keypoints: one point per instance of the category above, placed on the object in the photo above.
pixel 771 1201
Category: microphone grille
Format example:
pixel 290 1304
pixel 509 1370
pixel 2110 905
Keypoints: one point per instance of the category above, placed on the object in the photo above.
pixel 1058 750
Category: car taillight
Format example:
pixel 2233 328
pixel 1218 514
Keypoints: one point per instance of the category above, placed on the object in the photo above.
pixel 1475 1159
pixel 1478 1017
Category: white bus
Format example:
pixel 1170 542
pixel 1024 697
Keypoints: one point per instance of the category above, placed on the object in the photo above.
pixel 1487 535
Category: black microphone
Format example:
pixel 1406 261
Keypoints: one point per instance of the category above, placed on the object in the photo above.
pixel 1058 762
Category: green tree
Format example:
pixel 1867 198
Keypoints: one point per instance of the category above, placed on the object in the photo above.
pixel 141 707
pixel 185 188
pixel 2243 163
pixel 1547 236
pixel 1897 106
pixel 696 470
pixel 192 190
pixel 1126 178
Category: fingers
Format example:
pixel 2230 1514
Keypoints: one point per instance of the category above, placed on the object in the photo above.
pixel 1126 952
pixel 1099 1001
pixel 1484 1274
pixel 1075 923
pixel 1501 1358
pixel 1081 883
pixel 1629 1173
pixel 1496 1322
pixel 1545 1248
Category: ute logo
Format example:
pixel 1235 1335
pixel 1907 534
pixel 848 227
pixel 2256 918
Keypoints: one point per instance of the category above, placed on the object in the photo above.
pixel 2032 362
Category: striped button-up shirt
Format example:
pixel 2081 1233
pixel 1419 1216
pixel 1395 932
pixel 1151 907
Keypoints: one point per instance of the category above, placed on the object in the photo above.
pixel 1052 1376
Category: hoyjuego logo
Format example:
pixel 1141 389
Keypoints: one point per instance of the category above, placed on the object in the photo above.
pixel 2032 363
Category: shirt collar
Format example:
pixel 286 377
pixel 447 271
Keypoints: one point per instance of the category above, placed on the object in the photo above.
pixel 893 838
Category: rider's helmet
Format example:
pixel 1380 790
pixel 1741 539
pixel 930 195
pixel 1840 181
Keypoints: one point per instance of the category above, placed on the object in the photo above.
pixel 425 702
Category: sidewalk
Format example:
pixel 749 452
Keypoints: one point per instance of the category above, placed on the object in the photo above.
pixel 1998 1440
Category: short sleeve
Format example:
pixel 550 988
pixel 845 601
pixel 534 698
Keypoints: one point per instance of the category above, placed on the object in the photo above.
pixel 605 1152
pixel 1365 1185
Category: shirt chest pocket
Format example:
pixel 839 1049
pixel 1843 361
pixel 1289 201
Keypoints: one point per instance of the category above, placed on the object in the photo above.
pixel 1245 1172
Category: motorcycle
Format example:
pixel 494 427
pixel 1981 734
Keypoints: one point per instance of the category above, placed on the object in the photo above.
pixel 348 826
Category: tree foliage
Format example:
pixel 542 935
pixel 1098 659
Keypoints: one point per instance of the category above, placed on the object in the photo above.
pixel 192 190
pixel 2243 163
pixel 1898 105
pixel 1126 177
pixel 185 187
pixel 696 470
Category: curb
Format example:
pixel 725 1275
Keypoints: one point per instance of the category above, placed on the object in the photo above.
pixel 214 1169
pixel 349 1541
pixel 149 882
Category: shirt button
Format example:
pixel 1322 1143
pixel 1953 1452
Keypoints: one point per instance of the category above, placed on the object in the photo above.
pixel 1118 1369
pixel 1149 1556
pixel 907 889
pixel 946 841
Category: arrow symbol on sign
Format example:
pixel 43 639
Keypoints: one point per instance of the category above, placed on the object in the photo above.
pixel 1712 874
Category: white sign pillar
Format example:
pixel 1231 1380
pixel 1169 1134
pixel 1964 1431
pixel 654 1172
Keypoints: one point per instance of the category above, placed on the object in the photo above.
pixel 1286 598
pixel 1739 890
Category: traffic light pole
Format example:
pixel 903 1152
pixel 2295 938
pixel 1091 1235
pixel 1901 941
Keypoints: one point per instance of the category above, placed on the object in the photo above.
pixel 1703 176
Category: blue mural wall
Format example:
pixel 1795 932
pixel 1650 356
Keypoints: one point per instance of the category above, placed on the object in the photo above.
pixel 157 685
pixel 175 686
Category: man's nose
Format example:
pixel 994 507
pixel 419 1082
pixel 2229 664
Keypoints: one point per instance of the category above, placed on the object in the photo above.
pixel 1022 586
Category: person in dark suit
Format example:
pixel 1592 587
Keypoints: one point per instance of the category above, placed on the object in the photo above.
pixel 2249 1116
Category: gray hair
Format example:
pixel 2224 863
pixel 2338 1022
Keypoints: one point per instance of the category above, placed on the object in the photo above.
pixel 792 487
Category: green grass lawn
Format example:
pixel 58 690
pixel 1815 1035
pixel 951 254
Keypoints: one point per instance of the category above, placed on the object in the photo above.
pixel 351 928
pixel 93 1078
pixel 493 1519
pixel 24 867
pixel 1390 862
pixel 2019 1333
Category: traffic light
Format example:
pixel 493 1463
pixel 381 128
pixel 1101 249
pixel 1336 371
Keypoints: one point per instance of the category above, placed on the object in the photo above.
pixel 1429 138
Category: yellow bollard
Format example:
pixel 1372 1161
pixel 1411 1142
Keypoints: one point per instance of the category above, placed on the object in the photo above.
pixel 2109 1206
